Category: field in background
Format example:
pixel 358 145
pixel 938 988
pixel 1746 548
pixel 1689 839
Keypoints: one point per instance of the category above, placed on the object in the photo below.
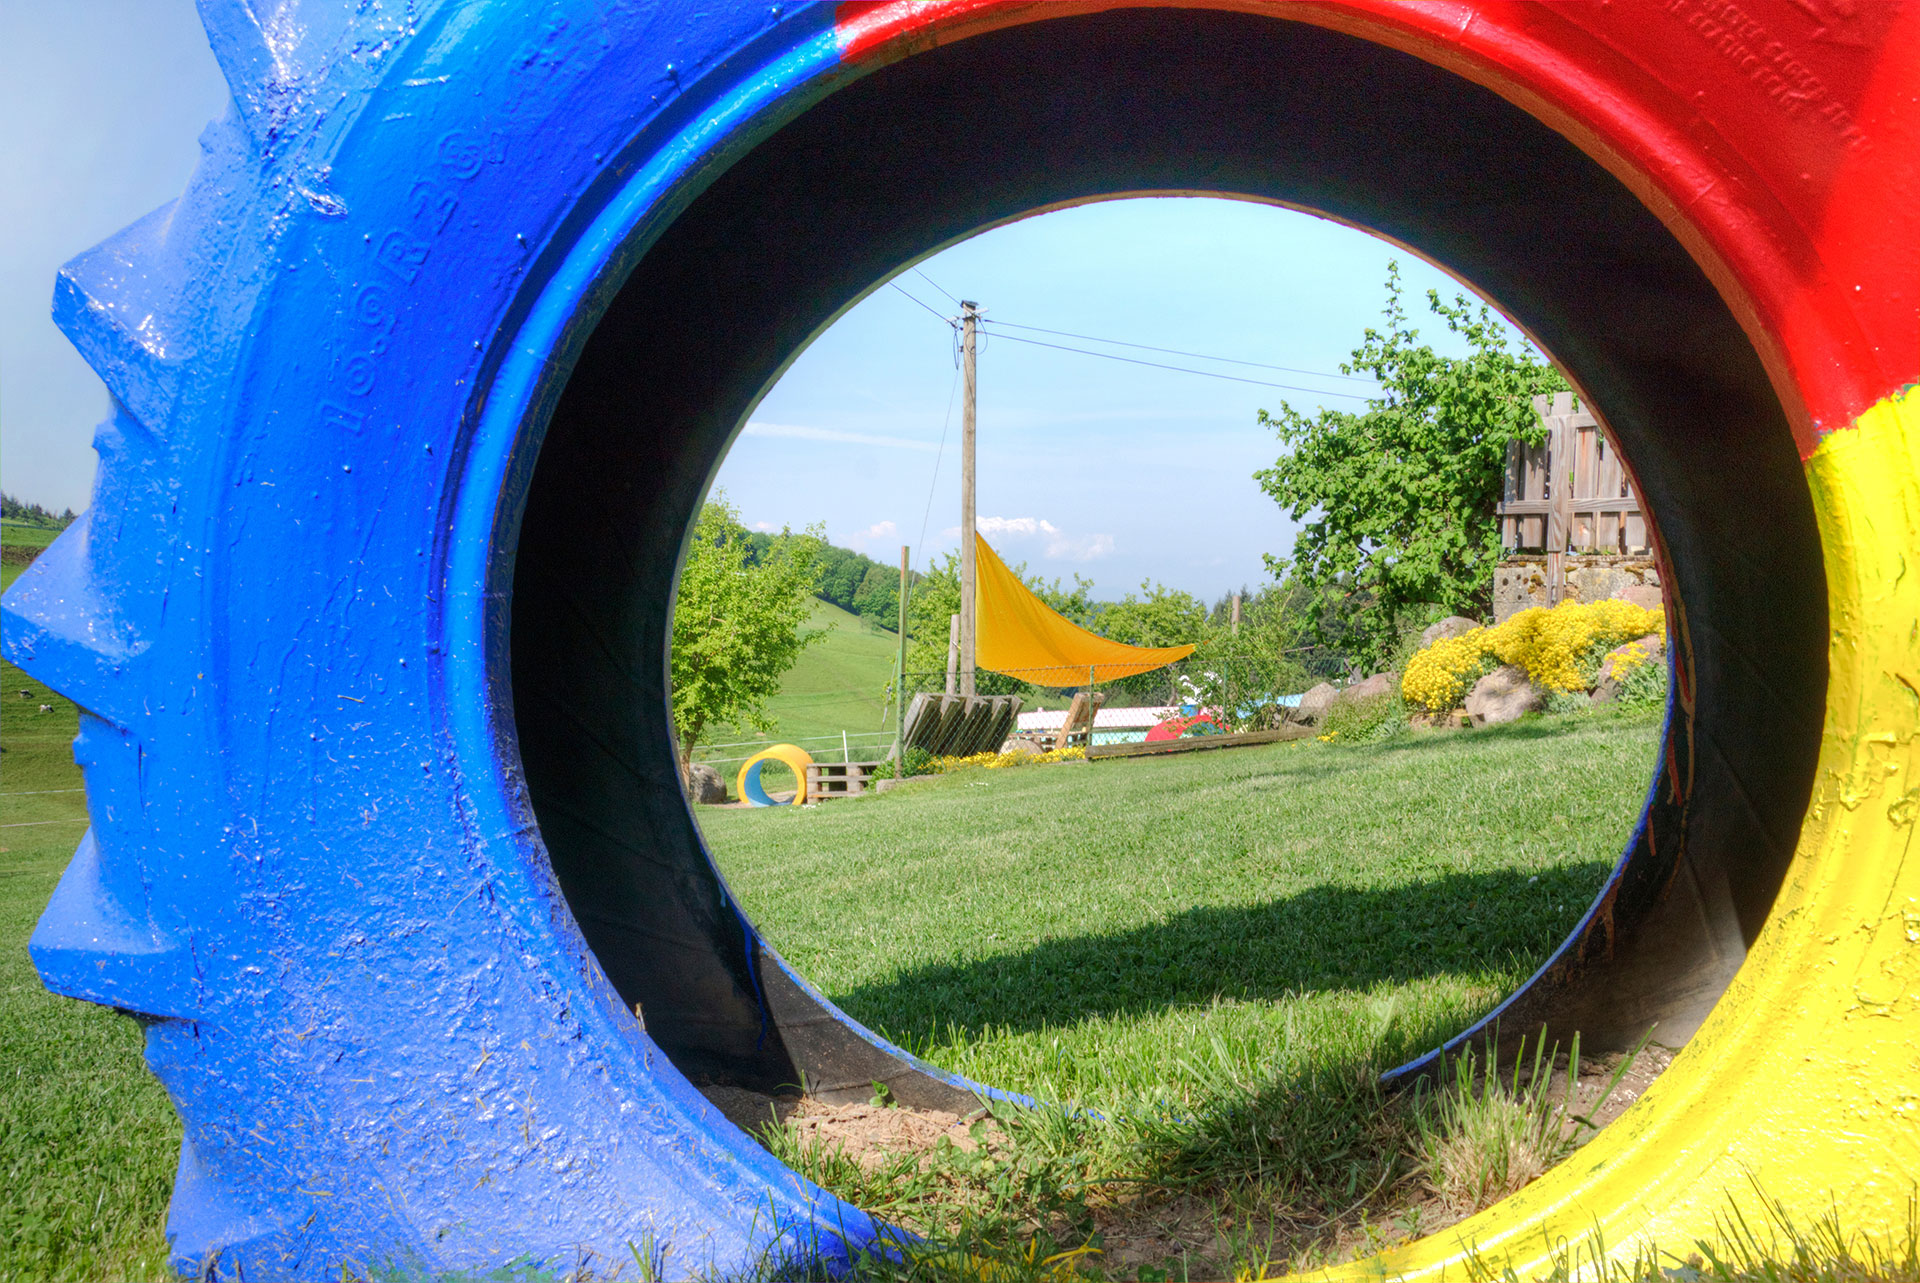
pixel 839 685
pixel 25 534
pixel 88 1140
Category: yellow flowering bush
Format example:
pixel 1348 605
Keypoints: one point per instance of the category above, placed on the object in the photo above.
pixel 1629 659
pixel 1439 677
pixel 994 761
pixel 1560 649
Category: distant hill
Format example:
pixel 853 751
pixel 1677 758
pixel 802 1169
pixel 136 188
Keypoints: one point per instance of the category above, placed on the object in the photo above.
pixel 838 685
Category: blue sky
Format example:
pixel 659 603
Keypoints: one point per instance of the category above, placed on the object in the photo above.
pixel 1113 471
pixel 101 107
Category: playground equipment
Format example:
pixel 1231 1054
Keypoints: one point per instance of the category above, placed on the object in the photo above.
pixel 793 757
pixel 419 384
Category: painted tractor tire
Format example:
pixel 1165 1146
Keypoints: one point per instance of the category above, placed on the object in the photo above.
pixel 417 386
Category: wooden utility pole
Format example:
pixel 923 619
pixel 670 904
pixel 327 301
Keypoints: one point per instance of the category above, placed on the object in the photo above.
pixel 1236 614
pixel 900 671
pixel 969 318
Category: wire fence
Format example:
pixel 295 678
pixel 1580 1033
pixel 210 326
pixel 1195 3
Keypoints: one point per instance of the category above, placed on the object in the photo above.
pixel 1252 693
pixel 1249 689
pixel 847 746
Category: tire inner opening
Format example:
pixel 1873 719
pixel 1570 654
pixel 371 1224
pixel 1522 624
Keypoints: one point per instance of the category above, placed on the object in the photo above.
pixel 926 151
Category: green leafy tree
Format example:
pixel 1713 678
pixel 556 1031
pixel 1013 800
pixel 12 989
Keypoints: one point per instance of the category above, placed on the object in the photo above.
pixel 1243 673
pixel 878 597
pixel 737 623
pixel 1398 499
pixel 1160 616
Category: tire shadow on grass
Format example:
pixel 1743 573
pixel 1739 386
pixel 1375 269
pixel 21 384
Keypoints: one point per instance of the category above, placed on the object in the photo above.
pixel 1324 939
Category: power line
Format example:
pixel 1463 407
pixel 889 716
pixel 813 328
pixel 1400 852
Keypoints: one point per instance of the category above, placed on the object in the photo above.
pixel 936 285
pixel 1199 356
pixel 947 321
pixel 1181 369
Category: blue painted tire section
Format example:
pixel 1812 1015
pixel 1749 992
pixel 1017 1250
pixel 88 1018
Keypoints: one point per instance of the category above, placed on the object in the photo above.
pixel 458 315
pixel 313 875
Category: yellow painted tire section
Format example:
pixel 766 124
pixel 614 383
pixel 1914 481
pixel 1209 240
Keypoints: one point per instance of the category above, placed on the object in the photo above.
pixel 1803 1087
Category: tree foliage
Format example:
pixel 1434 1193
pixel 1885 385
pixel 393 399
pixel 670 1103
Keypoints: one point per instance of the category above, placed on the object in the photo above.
pixel 1398 500
pixel 737 623
pixel 33 514
pixel 850 580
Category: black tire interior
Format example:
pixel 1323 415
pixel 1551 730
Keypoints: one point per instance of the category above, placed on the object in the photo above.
pixel 893 165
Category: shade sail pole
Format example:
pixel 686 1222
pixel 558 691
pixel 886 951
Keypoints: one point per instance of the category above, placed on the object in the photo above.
pixel 900 666
pixel 969 317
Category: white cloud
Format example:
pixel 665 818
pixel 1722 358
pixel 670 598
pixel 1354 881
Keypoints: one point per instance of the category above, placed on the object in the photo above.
pixel 1015 526
pixel 884 530
pixel 1059 546
pixel 1083 548
pixel 755 428
pixel 766 527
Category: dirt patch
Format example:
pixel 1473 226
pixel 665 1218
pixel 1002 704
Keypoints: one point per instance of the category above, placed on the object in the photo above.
pixel 1162 1230
pixel 868 1134
pixel 1597 1072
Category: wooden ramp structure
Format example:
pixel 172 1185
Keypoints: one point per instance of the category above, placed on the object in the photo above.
pixel 959 725
pixel 1077 729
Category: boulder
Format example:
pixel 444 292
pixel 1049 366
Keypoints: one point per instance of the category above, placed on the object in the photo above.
pixel 1645 596
pixel 1653 646
pixel 1504 695
pixel 1370 688
pixel 704 785
pixel 1450 627
pixel 1022 744
pixel 1314 704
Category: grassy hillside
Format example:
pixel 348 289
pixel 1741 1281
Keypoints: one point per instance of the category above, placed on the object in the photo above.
pixel 838 685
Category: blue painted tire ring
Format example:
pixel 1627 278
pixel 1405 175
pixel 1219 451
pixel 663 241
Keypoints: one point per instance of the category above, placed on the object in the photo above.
pixel 386 915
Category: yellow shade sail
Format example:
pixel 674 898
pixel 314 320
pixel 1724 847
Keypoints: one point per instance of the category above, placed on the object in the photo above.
pixel 1018 634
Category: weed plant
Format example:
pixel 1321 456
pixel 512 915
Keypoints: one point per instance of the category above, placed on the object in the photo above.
pixel 1366 721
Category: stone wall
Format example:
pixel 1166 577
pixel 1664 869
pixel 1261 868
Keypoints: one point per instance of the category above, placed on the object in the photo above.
pixel 1521 581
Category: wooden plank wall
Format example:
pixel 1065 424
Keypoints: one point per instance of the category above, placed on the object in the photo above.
pixel 1570 493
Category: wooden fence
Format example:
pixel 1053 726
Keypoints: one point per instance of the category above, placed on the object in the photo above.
pixel 1569 493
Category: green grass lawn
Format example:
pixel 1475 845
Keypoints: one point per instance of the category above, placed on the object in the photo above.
pixel 1083 932
pixel 88 1140
pixel 838 685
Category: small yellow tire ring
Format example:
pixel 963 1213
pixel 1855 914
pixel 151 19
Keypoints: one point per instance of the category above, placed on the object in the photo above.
pixel 791 755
